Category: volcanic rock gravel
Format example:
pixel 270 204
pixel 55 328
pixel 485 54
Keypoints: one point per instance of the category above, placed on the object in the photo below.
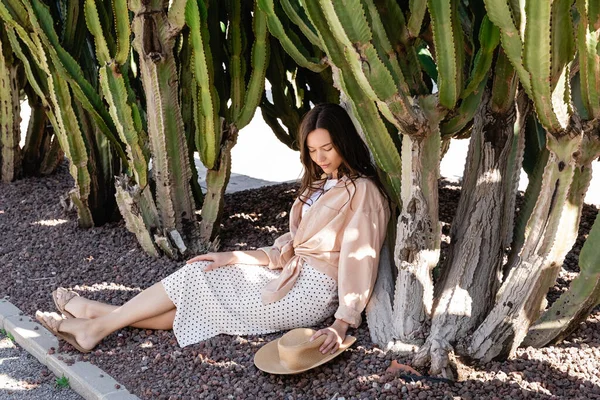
pixel 42 248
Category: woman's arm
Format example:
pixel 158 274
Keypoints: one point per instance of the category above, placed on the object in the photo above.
pixel 254 257
pixel 336 334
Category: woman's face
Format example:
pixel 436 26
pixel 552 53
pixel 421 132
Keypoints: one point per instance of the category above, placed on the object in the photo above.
pixel 322 152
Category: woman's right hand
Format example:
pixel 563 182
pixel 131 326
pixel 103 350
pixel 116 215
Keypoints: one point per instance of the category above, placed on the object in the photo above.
pixel 216 260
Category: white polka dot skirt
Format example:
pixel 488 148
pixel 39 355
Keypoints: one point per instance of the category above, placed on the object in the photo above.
pixel 228 300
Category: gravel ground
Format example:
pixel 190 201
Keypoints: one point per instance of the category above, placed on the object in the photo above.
pixel 42 248
pixel 22 377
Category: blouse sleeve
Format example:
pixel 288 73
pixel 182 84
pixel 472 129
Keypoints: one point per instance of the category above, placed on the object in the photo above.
pixel 281 251
pixel 359 257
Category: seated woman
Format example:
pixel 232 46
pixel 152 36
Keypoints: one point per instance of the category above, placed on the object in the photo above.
pixel 325 265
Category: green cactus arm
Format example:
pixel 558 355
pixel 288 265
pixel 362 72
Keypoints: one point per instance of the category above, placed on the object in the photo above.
pixel 235 57
pixel 294 48
pixel 260 57
pixel 397 33
pixel 123 30
pixel 95 27
pixel 70 70
pixel 489 38
pixel 417 13
pixel 378 139
pixel 562 41
pixel 499 12
pixel 466 111
pixel 350 27
pixel 448 45
pixel 208 133
pixel 115 93
pixel 71 26
pixel 16 12
pixel 504 84
pixel 270 119
pixel 537 61
pixel 384 46
pixel 74 147
pixel 35 80
pixel 176 14
pixel 587 47
pixel 20 29
pixel 296 14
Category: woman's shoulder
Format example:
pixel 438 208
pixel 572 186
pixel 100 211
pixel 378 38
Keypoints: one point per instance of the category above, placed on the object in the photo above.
pixel 366 193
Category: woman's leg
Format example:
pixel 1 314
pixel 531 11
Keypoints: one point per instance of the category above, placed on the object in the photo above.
pixel 151 303
pixel 81 307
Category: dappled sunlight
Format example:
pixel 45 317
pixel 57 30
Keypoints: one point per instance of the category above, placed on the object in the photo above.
pixel 463 307
pixel 11 381
pixel 97 287
pixel 27 333
pixel 489 177
pixel 14 385
pixel 50 222
pixel 363 252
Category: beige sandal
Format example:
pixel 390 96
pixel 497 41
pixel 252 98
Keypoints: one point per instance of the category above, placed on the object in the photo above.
pixel 62 297
pixel 52 321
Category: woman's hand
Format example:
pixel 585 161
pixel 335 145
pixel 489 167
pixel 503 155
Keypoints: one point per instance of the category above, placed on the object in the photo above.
pixel 336 334
pixel 216 259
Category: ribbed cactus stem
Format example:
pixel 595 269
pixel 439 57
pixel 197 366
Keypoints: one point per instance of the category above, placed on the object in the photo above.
pixel 448 45
pixel 154 42
pixel 10 155
pixel 588 42
pixel 208 127
pixel 74 147
pixel 236 37
pixel 297 15
pixel 291 44
pixel 260 58
pixel 216 181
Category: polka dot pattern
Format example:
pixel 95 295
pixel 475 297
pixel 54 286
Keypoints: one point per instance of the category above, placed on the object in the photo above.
pixel 228 300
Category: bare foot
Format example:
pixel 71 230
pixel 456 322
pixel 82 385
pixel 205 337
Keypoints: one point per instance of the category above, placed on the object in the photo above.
pixel 82 330
pixel 75 331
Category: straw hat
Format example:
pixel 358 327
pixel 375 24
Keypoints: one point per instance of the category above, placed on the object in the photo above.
pixel 294 353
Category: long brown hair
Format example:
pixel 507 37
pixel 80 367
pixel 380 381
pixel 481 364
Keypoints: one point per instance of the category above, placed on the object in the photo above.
pixel 346 141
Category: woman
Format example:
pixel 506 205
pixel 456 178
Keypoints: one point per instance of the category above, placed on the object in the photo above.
pixel 326 265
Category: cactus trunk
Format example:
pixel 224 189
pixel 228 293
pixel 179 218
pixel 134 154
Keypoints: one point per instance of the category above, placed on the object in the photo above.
pixel 418 234
pixel 521 294
pixel 472 272
pixel 584 293
pixel 10 132
pixel 154 42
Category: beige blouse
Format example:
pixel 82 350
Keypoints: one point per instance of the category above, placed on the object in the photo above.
pixel 340 235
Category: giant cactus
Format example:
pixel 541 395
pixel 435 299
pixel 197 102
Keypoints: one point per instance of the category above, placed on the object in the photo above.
pixel 542 57
pixel 68 97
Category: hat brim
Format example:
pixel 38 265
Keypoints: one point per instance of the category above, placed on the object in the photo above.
pixel 267 358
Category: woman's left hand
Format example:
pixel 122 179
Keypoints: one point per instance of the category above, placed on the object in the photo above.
pixel 336 334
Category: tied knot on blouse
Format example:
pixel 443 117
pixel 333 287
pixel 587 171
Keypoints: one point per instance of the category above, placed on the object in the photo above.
pixel 340 233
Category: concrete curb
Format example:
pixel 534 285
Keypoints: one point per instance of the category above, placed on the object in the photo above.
pixel 89 381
